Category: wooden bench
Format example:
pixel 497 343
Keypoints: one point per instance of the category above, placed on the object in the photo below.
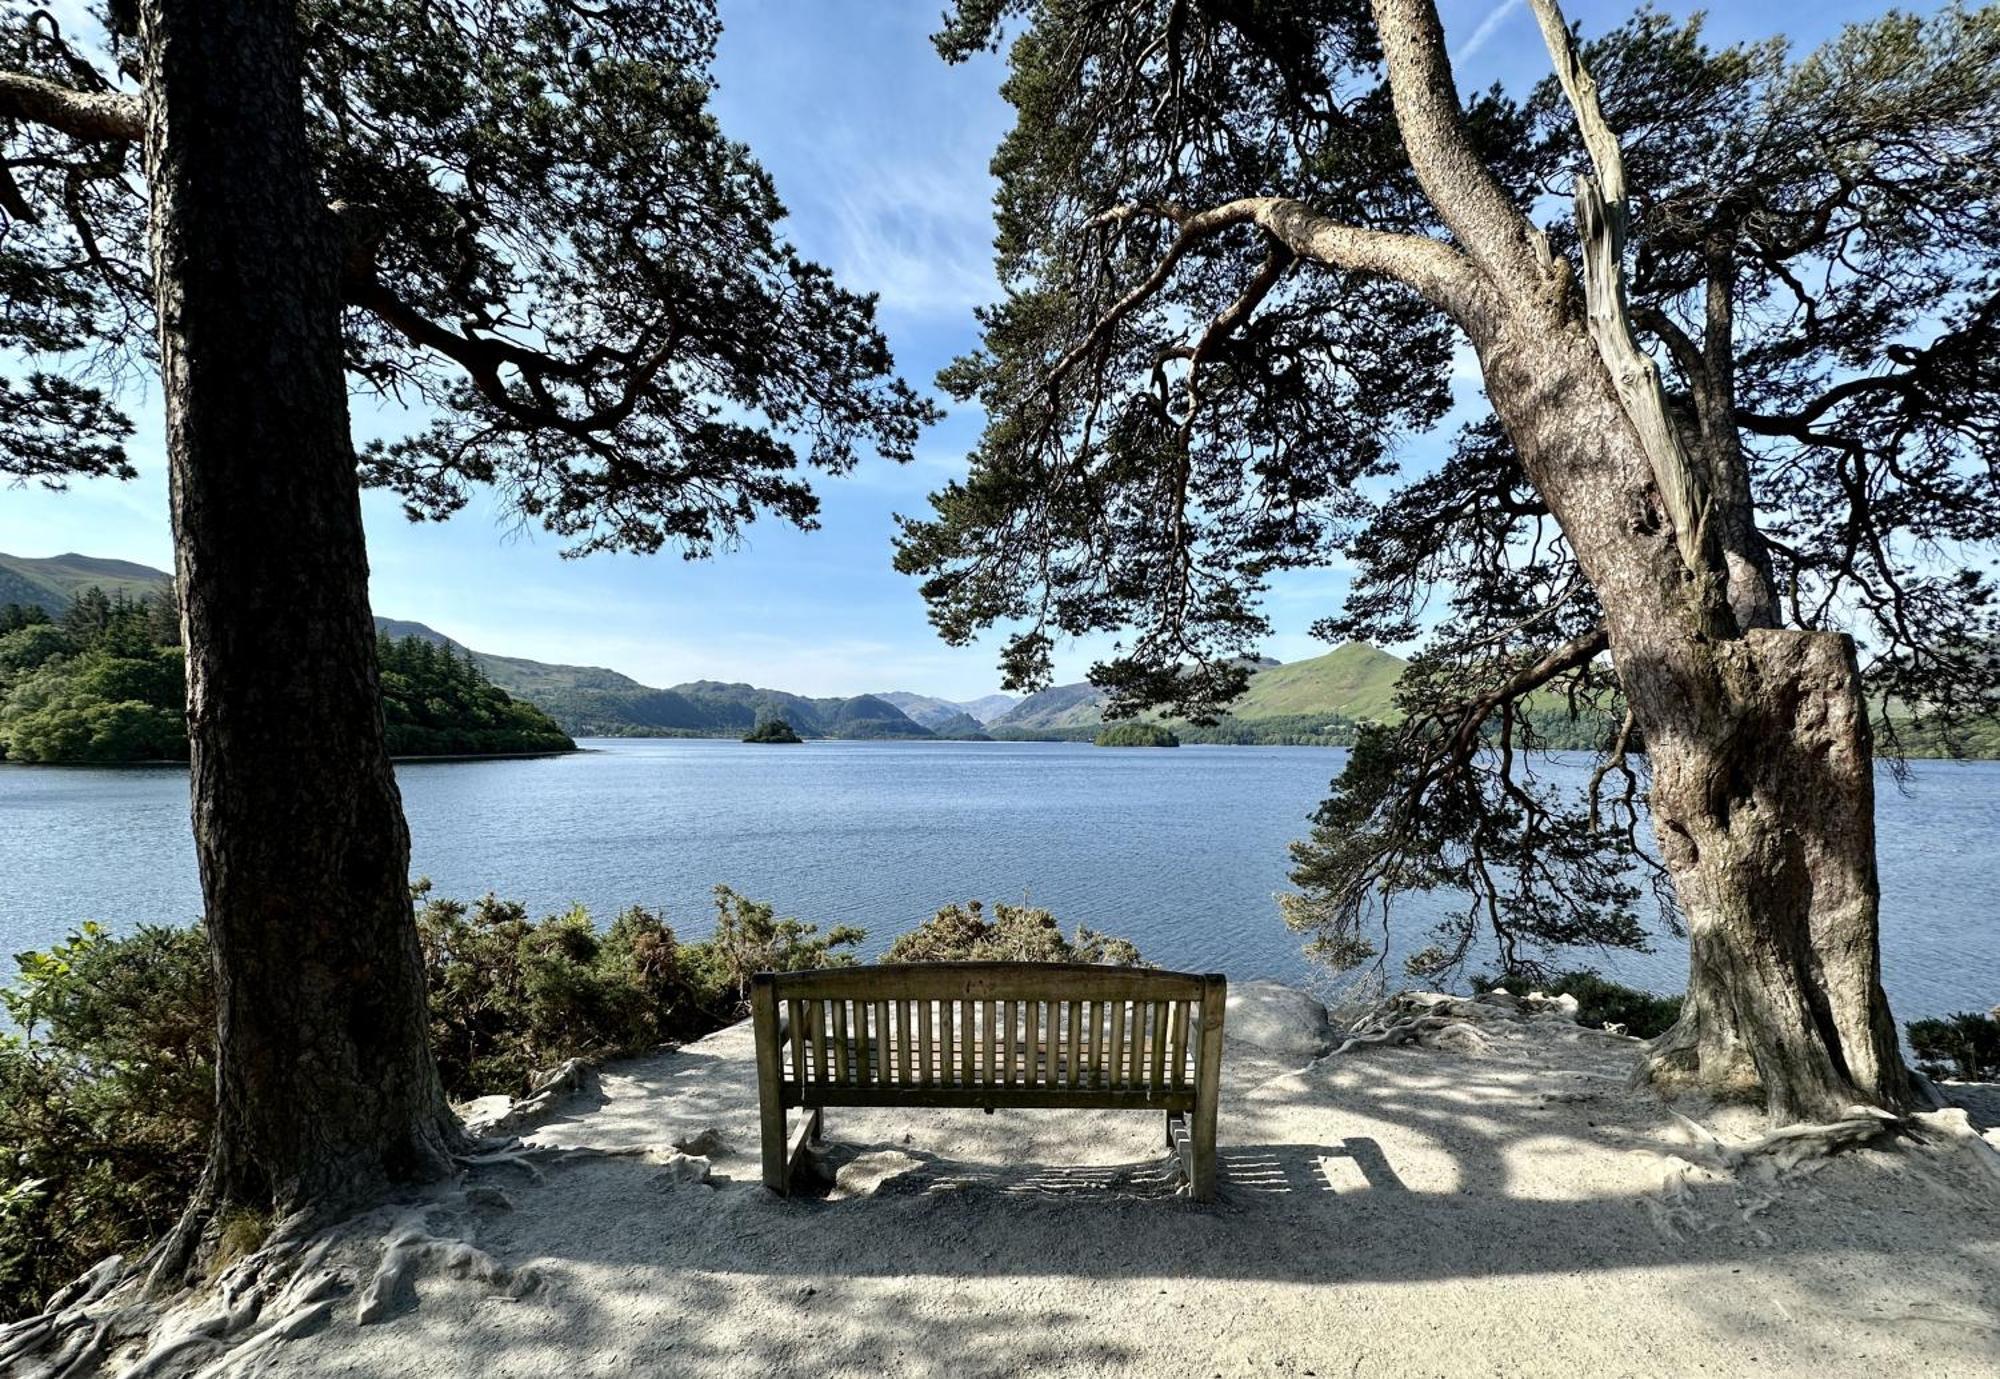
pixel 990 1035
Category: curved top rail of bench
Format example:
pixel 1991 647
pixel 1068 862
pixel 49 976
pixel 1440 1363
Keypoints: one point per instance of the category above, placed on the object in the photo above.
pixel 989 981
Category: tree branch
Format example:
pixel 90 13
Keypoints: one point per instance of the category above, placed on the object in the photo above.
pixel 86 115
pixel 1601 221
pixel 1451 171
pixel 1579 650
pixel 1434 270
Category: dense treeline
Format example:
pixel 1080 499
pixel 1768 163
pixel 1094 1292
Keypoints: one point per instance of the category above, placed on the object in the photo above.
pixel 439 703
pixel 107 683
pixel 1135 735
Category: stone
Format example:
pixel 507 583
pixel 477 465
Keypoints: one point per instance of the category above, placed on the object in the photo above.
pixel 1277 1018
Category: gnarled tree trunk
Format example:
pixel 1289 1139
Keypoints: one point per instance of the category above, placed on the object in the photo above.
pixel 1763 787
pixel 1765 815
pixel 326 1089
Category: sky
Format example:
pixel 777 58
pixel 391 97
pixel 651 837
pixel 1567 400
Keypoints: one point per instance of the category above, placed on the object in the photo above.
pixel 880 153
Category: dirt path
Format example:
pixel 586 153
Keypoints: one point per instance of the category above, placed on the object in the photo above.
pixel 1501 1205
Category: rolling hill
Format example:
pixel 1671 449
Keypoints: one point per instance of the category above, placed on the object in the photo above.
pixel 50 582
pixel 1354 680
pixel 941 714
pixel 591 701
pixel 1317 700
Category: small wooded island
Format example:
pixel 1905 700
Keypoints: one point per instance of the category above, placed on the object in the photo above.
pixel 1136 735
pixel 772 730
pixel 106 683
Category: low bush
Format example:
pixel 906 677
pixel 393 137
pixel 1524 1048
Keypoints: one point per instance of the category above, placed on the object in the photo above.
pixel 107 1092
pixel 1016 933
pixel 1965 1046
pixel 107 1083
pixel 1599 1001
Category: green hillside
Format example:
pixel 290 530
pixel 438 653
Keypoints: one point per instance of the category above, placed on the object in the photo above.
pixel 1316 702
pixel 1354 680
pixel 49 583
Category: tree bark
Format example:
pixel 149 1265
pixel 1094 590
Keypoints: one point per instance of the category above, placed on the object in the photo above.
pixel 1763 768
pixel 326 1086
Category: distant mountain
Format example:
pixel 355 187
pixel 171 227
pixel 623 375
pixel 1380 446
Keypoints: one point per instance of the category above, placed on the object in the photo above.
pixel 922 707
pixel 51 582
pixel 988 707
pixel 1354 680
pixel 590 701
pixel 1061 706
pixel 1317 700
pixel 936 713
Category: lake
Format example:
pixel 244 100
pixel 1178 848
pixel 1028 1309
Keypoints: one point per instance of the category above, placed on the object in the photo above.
pixel 1180 851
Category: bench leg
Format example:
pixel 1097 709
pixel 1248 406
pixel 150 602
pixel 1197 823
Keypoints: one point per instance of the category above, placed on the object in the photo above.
pixel 770 1097
pixel 1201 1154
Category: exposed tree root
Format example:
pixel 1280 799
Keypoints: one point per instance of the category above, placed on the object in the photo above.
pixel 287 1289
pixel 1433 1019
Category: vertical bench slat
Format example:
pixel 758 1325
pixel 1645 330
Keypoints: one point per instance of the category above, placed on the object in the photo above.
pixel 1156 1078
pixel 903 1041
pixel 863 1051
pixel 798 1041
pixel 924 1062
pixel 1117 1059
pixel 989 1039
pixel 1093 1016
pixel 965 1051
pixel 1178 1045
pixel 1135 1070
pixel 1072 1064
pixel 1009 1048
pixel 818 1009
pixel 840 1041
pixel 1031 1041
pixel 881 1046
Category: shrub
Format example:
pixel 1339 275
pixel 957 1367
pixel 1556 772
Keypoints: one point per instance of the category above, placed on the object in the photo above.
pixel 749 937
pixel 1598 1000
pixel 1965 1046
pixel 510 995
pixel 106 1101
pixel 1016 933
pixel 107 1090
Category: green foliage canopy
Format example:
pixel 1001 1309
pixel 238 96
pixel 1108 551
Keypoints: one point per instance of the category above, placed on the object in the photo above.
pixel 1182 399
pixel 549 243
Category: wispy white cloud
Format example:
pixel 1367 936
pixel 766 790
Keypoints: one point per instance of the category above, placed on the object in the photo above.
pixel 918 234
pixel 1488 27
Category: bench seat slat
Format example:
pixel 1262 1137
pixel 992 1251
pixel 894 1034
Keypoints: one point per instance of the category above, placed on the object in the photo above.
pixel 978 1097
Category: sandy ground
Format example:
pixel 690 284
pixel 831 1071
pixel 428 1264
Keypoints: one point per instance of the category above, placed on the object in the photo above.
pixel 1502 1205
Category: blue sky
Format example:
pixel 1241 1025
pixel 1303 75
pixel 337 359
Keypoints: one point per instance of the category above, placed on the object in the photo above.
pixel 880 152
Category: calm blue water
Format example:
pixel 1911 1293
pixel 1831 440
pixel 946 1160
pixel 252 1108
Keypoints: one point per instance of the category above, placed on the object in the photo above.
pixel 1180 851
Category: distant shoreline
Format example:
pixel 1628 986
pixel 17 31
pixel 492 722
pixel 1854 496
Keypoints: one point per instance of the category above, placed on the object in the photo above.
pixel 162 762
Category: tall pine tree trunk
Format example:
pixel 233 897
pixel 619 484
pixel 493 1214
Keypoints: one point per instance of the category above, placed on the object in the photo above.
pixel 327 1090
pixel 1763 796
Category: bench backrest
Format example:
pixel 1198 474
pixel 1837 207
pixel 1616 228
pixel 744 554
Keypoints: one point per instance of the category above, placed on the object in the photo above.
pixel 990 1034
